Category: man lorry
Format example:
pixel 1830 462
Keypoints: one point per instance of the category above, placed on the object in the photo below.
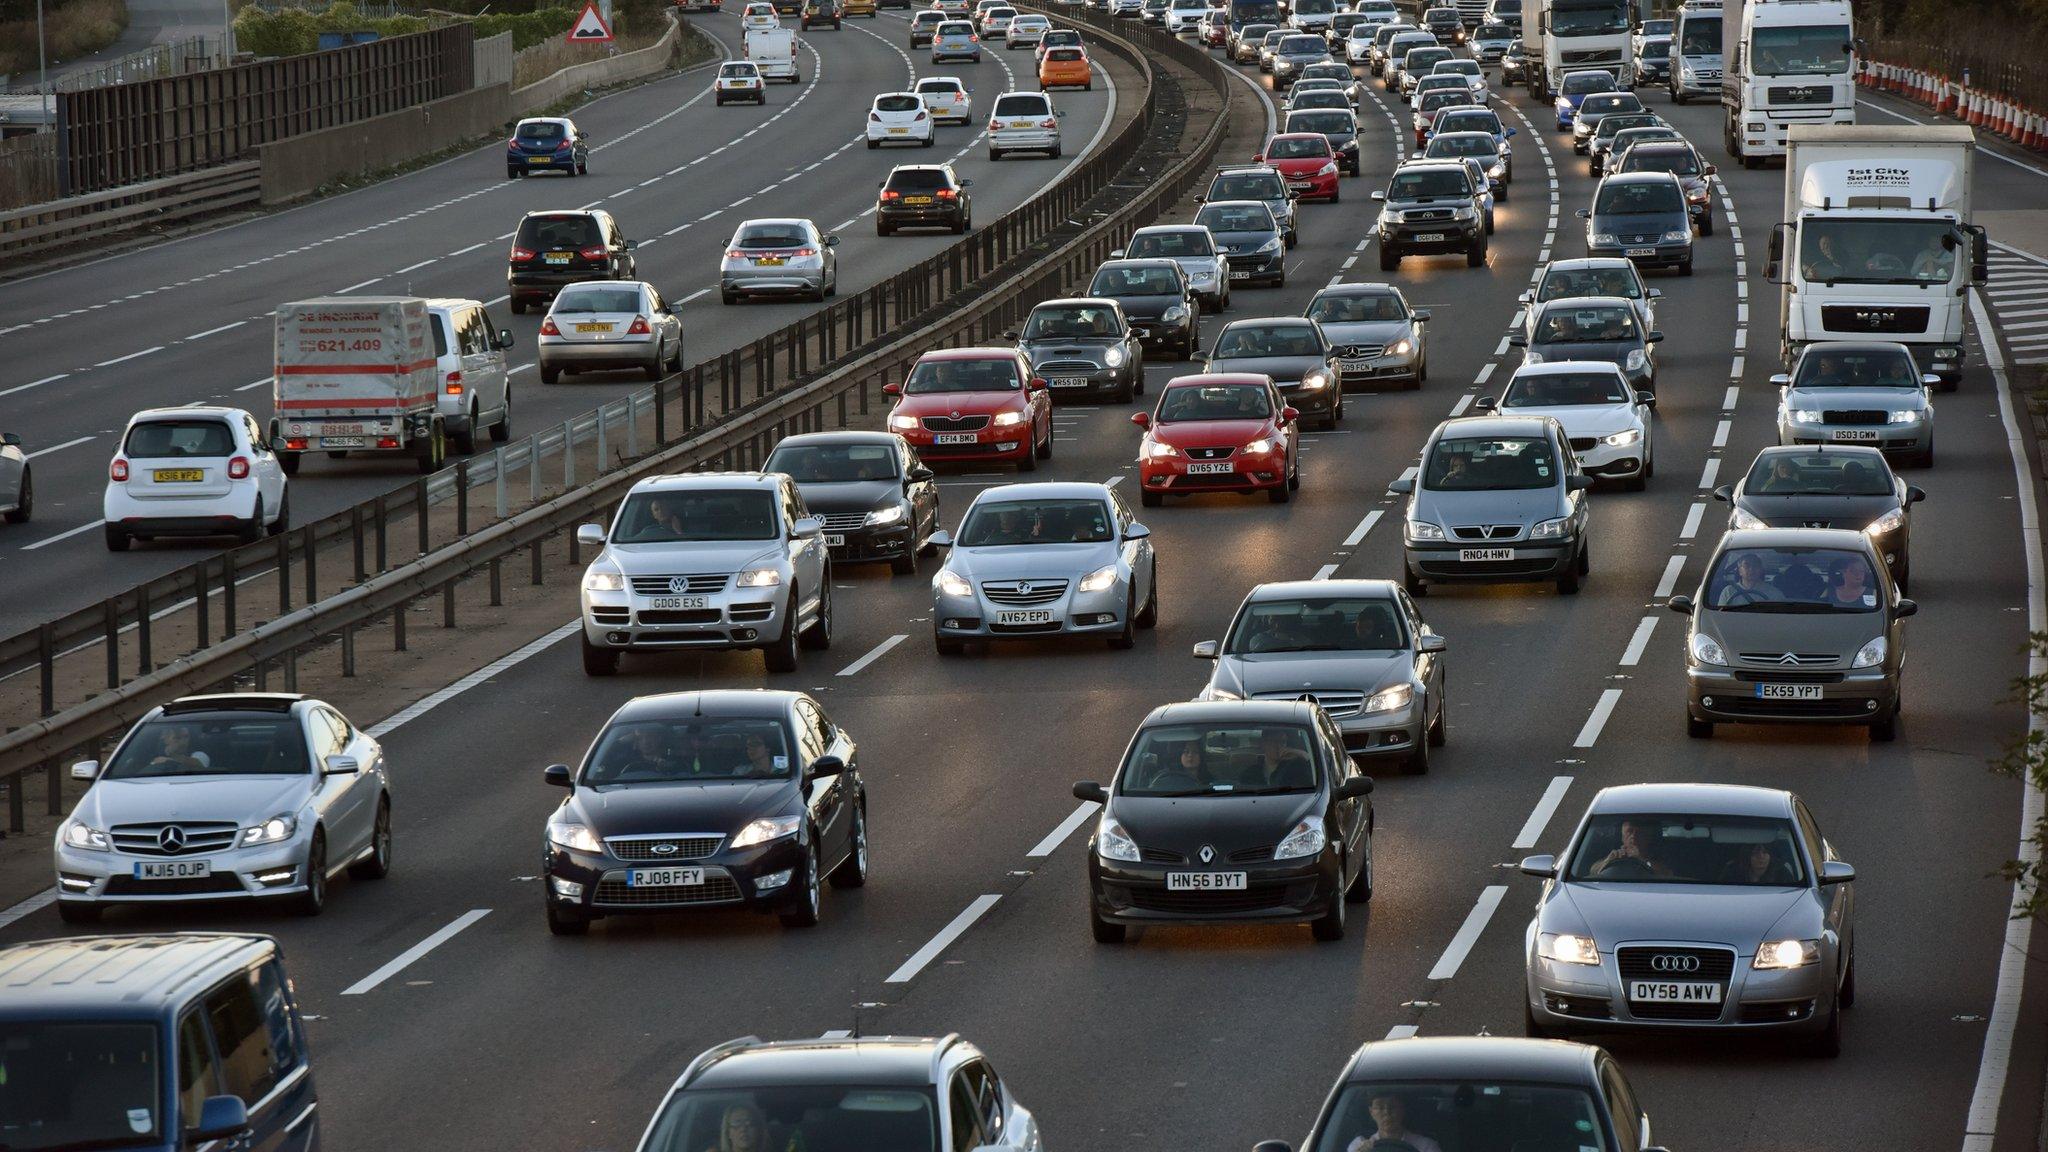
pixel 1792 62
pixel 1560 36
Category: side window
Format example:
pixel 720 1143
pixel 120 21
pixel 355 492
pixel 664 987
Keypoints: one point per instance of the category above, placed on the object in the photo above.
pixel 1621 1107
pixel 810 734
pixel 256 442
pixel 248 1061
pixel 966 1115
pixel 198 1071
pixel 988 1097
pixel 329 736
pixel 273 994
pixel 1816 844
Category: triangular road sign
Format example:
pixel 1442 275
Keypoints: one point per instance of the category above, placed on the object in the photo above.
pixel 589 28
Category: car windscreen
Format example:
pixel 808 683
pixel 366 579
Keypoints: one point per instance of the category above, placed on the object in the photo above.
pixel 1135 282
pixel 1219 760
pixel 699 515
pixel 1441 82
pixel 1566 283
pixel 775 235
pixel 540 130
pixel 1304 46
pixel 1464 1116
pixel 1801 50
pixel 1432 101
pixel 1326 122
pixel 900 103
pixel 1657 48
pixel 1494 32
pixel 1297 148
pixel 1457 68
pixel 1490 464
pixel 1429 184
pixel 1463 144
pixel 693 748
pixel 1605 103
pixel 1638 199
pixel 898 1119
pixel 963 376
pixel 1643 158
pixel 545 233
pixel 1254 32
pixel 214 744
pixel 1421 60
pixel 1317 624
pixel 1553 389
pixel 1792 580
pixel 1071 322
pixel 1214 402
pixel 154 439
pixel 1060 36
pixel 1688 848
pixel 1003 523
pixel 833 463
pixel 1476 120
pixel 1237 218
pixel 55 1066
pixel 1819 473
pixel 1356 307
pixel 1179 242
pixel 1252 340
pixel 1601 323
pixel 1862 368
pixel 918 180
pixel 1581 83
pixel 1341 73
pixel 1623 120
pixel 594 298
pixel 1274 38
pixel 1022 106
pixel 928 19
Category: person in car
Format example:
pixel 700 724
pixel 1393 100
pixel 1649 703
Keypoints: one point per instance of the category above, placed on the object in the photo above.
pixel 1824 265
pixel 1749 586
pixel 1849 585
pixel 647 757
pixel 1280 764
pixel 663 518
pixel 1391 1117
pixel 1635 846
pixel 760 760
pixel 1756 866
pixel 176 751
pixel 741 1129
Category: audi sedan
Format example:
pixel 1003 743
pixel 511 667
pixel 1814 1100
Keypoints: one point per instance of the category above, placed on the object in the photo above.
pixel 1608 422
pixel 1376 334
pixel 735 799
pixel 1224 433
pixel 1230 812
pixel 1083 346
pixel 1693 907
pixel 1829 486
pixel 1294 352
pixel 974 404
pixel 779 258
pixel 1853 392
pixel 1036 560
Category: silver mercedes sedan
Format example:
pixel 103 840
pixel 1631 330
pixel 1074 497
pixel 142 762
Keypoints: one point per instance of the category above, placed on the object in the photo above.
pixel 1693 906
pixel 1054 559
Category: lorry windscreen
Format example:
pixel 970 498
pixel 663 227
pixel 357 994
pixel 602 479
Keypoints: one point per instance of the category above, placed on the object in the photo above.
pixel 1589 17
pixel 1878 251
pixel 1820 50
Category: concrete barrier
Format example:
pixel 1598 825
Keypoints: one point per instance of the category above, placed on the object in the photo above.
pixel 299 165
pixel 598 73
pixel 493 60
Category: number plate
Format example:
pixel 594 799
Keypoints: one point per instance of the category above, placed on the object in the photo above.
pixel 677 603
pixel 917 199
pixel 1354 364
pixel 1788 691
pixel 772 261
pixel 1240 275
pixel 1070 381
pixel 173 869
pixel 557 257
pixel 344 441
pixel 1852 434
pixel 1642 252
pixel 664 877
pixel 1674 992
pixel 1213 468
pixel 1430 238
pixel 899 131
pixel 179 475
pixel 540 159
pixel 333 429
pixel 1205 881
pixel 957 438
pixel 1034 616
pixel 835 541
pixel 1485 555
pixel 590 327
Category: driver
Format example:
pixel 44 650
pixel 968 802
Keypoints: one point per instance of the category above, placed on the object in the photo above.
pixel 1824 264
pixel 176 751
pixel 1390 1115
pixel 1635 845
pixel 1749 585
pixel 647 754
pixel 660 514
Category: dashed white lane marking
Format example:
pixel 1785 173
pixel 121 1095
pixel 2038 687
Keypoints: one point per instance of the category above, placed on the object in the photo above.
pixel 28 907
pixel 1729 397
pixel 1485 374
pixel 1325 572
pixel 1468 932
pixel 937 944
pixel 1539 818
pixel 216 331
pixel 1364 526
pixel 61 536
pixel 128 357
pixel 466 251
pixel 1633 655
pixel 1058 836
pixel 1721 434
pixel 874 654
pixel 254 384
pixel 1463 403
pixel 353 287
pixel 1711 472
pixel 1691 527
pixel 57 447
pixel 1669 580
pixel 404 959
pixel 1402 1031
pixel 1590 734
pixel 34 384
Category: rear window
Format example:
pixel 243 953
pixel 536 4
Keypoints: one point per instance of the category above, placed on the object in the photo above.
pixel 595 298
pixel 918 179
pixel 924 19
pixel 1643 158
pixel 739 70
pixel 1638 199
pixel 540 130
pixel 168 438
pixel 946 85
pixel 1135 282
pixel 897 104
pixel 1237 218
pixel 544 232
pixel 1065 54
pixel 1023 106
pixel 772 236
pixel 956 28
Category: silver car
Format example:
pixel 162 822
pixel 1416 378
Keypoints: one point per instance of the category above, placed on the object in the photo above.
pixel 707 561
pixel 17 487
pixel 788 257
pixel 1592 276
pixel 1054 559
pixel 242 796
pixel 1358 648
pixel 1376 334
pixel 1608 421
pixel 1693 907
pixel 1193 247
pixel 1858 393
pixel 600 325
pixel 1496 498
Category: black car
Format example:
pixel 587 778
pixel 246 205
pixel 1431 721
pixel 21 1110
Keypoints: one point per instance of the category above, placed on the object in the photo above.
pixel 1295 352
pixel 1445 24
pixel 723 799
pixel 1643 216
pixel 924 196
pixel 1683 161
pixel 1341 127
pixel 1227 812
pixel 1083 346
pixel 1431 206
pixel 552 250
pixel 1156 297
pixel 818 12
pixel 1512 63
pixel 1254 247
pixel 877 499
pixel 1829 486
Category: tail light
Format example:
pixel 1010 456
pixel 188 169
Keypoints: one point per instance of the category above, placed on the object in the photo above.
pixel 455 383
pixel 891 194
pixel 547 327
pixel 918 117
pixel 1048 123
pixel 119 471
pixel 594 252
pixel 564 146
pixel 803 252
pixel 522 255
pixel 994 125
pixel 296 445
pixel 238 468
pixel 946 194
pixel 875 116
pixel 639 327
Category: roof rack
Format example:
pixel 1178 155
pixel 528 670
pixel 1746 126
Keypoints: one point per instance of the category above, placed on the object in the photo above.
pixel 714 1054
pixel 939 1050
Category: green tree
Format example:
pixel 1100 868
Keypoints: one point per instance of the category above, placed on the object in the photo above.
pixel 2026 757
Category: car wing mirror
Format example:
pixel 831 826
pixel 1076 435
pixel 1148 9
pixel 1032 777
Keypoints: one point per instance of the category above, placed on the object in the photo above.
pixel 1272 1146
pixel 1141 419
pixel 1836 872
pixel 1647 399
pixel 1725 494
pixel 1354 788
pixel 967 183
pixel 1404 485
pixel 892 389
pixel 590 535
pixel 1543 867
pixel 832 241
pixel 340 766
pixel 1905 608
pixel 631 244
pixel 1782 379
pixel 1136 532
pixel 1680 604
pixel 1419 315
pixel 1656 293
pixel 1929 379
pixel 1431 644
pixel 1915 494
pixel 940 539
pixel 220 1118
pixel 504 338
pixel 1577 482
pixel 806 526
pixel 558 775
pixel 824 766
pixel 1584 213
pixel 1378 197
pixel 920 474
pixel 1205 649
pixel 1011 334
pixel 1654 338
pixel 1090 790
pixel 1484 404
pixel 1518 340
pixel 85 770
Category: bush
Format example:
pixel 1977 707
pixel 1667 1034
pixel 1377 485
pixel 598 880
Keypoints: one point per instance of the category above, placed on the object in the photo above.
pixel 70 30
pixel 293 31
pixel 527 28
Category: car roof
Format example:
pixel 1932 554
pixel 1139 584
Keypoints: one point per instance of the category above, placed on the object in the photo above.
pixel 1231 712
pixel 1585 301
pixel 543 213
pixel 1698 799
pixel 880 96
pixel 1298 136
pixel 1475 427
pixel 1218 379
pixel 1462 133
pixel 1848 539
pixel 1434 163
pixel 905 1061
pixel 1046 490
pixel 127 974
pixel 943 354
pixel 1587 263
pixel 712 703
pixel 1139 262
pixel 232 702
pixel 1474 1058
pixel 1086 301
pixel 1290 589
pixel 1234 204
pixel 705 481
pixel 1565 367
pixel 1279 321
pixel 946 168
pixel 150 415
pixel 1369 288
pixel 955 81
pixel 1640 178
pixel 805 439
pixel 793 221
pixel 1162 229
pixel 564 121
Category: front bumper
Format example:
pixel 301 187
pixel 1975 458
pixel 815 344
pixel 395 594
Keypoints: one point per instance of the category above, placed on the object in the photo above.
pixel 1252 267
pixel 734 618
pixel 1287 892
pixel 1657 255
pixel 1315 187
pixel 632 352
pixel 1729 695
pixel 1067 379
pixel 1583 998
pixel 1452 236
pixel 1443 563
pixel 599 884
pixel 866 544
pixel 995 444
pixel 1316 402
pixel 1170 475
pixel 1075 613
pixel 235 874
pixel 1610 461
pixel 1386 366
pixel 1891 439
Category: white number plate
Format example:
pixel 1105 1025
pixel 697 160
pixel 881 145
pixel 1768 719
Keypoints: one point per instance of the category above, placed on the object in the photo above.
pixel 1852 434
pixel 1036 616
pixel 343 441
pixel 557 258
pixel 1430 238
pixel 173 870
pixel 1205 881
pixel 1208 469
pixel 1240 275
pixel 957 438
pixel 1642 252
pixel 1354 364
pixel 1788 691
pixel 1678 992
pixel 664 877
pixel 835 541
pixel 1482 555
pixel 1070 381
pixel 678 603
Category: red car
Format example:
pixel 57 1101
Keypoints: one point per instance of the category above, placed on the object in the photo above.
pixel 1221 432
pixel 1215 31
pixel 1305 161
pixel 974 404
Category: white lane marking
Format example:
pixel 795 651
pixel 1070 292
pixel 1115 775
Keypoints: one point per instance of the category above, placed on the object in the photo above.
pixel 1669 580
pixel 1710 473
pixel 35 384
pixel 29 907
pixel 1590 734
pixel 1633 655
pixel 874 654
pixel 1539 817
pixel 1111 482
pixel 1402 1031
pixel 1692 521
pixel 353 287
pixel 494 668
pixel 467 251
pixel 254 384
pixel 1728 398
pixel 1468 932
pixel 1502 348
pixel 1364 526
pixel 404 959
pixel 1741 339
pixel 216 331
pixel 1735 368
pixel 1485 374
pixel 1463 403
pixel 1325 572
pixel 57 447
pixel 939 943
pixel 1058 836
pixel 415 267
pixel 835 1034
pixel 1721 434
pixel 49 540
pixel 128 357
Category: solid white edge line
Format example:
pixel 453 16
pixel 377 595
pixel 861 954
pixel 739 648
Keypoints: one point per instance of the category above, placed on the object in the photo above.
pixel 29 907
pixel 1590 734
pixel 1633 655
pixel 1468 932
pixel 1539 817
pixel 1364 526
pixel 874 654
pixel 937 944
pixel 404 959
pixel 1058 836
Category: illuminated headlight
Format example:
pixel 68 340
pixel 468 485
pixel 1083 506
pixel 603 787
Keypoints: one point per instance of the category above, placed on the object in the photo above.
pixel 1307 839
pixel 1113 843
pixel 1906 416
pixel 1390 699
pixel 1870 655
pixel 604 580
pixel 1400 347
pixel 1100 580
pixel 1176 314
pixel 1946 353
pixel 85 836
pixel 574 836
pixel 1260 447
pixel 889 515
pixel 1603 239
pixel 1891 521
pixel 1329 169
pixel 767 828
pixel 1624 437
pixel 903 423
pixel 1707 650
pixel 952 583
pixel 1315 380
pixel 1804 416
pixel 1498 171
pixel 1218 694
pixel 758 578
pixel 1697 192
pixel 1424 530
pixel 1745 519
pixel 1113 358
pixel 1778 954
pixel 1556 529
pixel 1676 236
pixel 275 830
pixel 1158 450
pixel 1565 948
pixel 1688 75
pixel 1280 65
pixel 1635 360
pixel 1583 128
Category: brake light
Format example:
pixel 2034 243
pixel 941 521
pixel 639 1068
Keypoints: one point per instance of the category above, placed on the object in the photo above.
pixel 238 468
pixel 802 252
pixel 946 194
pixel 563 146
pixel 594 252
pixel 994 125
pixel 875 116
pixel 120 469
pixel 1048 123
pixel 522 255
pixel 298 445
pixel 890 194
pixel 919 116
pixel 455 383
pixel 547 327
pixel 639 327
pixel 735 254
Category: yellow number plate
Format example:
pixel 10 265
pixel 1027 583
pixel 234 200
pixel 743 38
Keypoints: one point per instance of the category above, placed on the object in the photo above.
pixel 593 327
pixel 179 475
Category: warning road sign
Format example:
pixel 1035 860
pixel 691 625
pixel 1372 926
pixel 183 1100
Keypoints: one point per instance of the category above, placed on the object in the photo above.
pixel 590 27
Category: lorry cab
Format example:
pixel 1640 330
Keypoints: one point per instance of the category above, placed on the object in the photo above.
pixel 1576 36
pixel 1793 62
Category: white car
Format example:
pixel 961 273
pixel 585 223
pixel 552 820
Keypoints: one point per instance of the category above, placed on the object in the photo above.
pixel 740 80
pixel 1126 7
pixel 476 383
pixel 759 14
pixel 1023 122
pixel 604 325
pixel 1027 31
pixel 947 98
pixel 1475 76
pixel 1358 45
pixel 1184 17
pixel 1608 422
pixel 900 118
pixel 995 23
pixel 193 472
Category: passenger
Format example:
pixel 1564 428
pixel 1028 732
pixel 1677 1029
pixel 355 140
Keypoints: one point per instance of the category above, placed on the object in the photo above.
pixel 1280 763
pixel 742 1129
pixel 1637 845
pixel 760 762
pixel 1391 1115
pixel 1755 866
pixel 1849 585
pixel 1374 630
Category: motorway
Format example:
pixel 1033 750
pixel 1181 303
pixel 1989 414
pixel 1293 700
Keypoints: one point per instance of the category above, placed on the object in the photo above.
pixel 1201 1038
pixel 189 321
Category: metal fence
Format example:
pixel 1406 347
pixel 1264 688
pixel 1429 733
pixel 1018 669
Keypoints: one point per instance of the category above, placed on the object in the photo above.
pixel 28 169
pixel 195 54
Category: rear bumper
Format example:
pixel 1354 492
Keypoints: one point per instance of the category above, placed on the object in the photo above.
pixel 637 353
pixel 183 515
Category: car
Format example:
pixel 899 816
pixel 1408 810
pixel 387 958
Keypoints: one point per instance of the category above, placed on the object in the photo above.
pixel 1416 63
pixel 1341 25
pixel 1693 908
pixel 1376 334
pixel 876 499
pixel 1228 432
pixel 236 796
pixel 739 80
pixel 553 249
pixel 1572 90
pixel 1596 107
pixel 982 9
pixel 1513 62
pixel 1337 126
pixel 709 799
pixel 1083 345
pixel 1534 1093
pixel 905 1094
pixel 1478 119
pixel 1653 62
pixel 1647 31
pixel 1269 47
pixel 759 14
pixel 707 561
pixel 1377 12
pixel 1023 122
pixel 547 144
pixel 955 40
pixel 995 23
pixel 17 484
pixel 820 12
pixel 1583 276
pixel 924 196
pixel 1313 15
pixel 1607 421
pixel 1193 247
pixel 1681 159
pixel 1058 38
pixel 1215 29
pixel 1829 486
pixel 1482 181
pixel 1184 17
pixel 1254 244
pixel 947 98
pixel 1428 105
pixel 1228 812
pixel 1382 58
pixel 868 9
pixel 1153 11
pixel 1306 161
pixel 609 325
pixel 1358 43
pixel 1256 182
pixel 1337 70
pixel 1627 138
pixel 200 471
pixel 1318 93
pixel 779 257
pixel 1478 148
pixel 1430 207
pixel 981 404
pixel 1604 329
pixel 900 118
pixel 1470 70
pixel 1158 298
pixel 1858 392
pixel 1643 216
pixel 1046 559
pixel 1496 499
pixel 1295 52
pixel 1490 42
pixel 1358 649
pixel 1445 24
pixel 1126 8
pixel 1441 81
pixel 1293 351
pixel 1244 44
pixel 1066 68
pixel 469 355
pixel 923 25
pixel 1602 139
pixel 1026 31
pixel 960 8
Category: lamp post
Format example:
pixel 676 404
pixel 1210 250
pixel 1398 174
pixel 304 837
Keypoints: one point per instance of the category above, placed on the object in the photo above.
pixel 42 59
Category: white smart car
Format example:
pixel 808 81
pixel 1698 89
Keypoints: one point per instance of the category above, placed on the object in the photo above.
pixel 193 472
pixel 900 118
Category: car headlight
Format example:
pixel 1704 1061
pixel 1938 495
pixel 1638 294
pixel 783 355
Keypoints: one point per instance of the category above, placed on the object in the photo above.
pixel 1280 65
pixel 1158 450
pixel 85 836
pixel 1100 580
pixel 758 578
pixel 1688 75
pixel 889 515
pixel 604 580
pixel 1891 521
pixel 1583 128
pixel 951 583
pixel 1315 380
pixel 1390 699
pixel 574 836
pixel 1603 239
pixel 1746 519
pixel 1275 245
pixel 1329 169
pixel 1870 655
pixel 1424 530
pixel 1555 529
pixel 1306 839
pixel 1468 212
pixel 1498 170
pixel 1676 236
pixel 1565 948
pixel 1400 347
pixel 1114 358
pixel 1532 357
pixel 1260 446
pixel 903 423
pixel 1113 843
pixel 1624 437
pixel 1707 650
pixel 1805 416
pixel 1777 954
pixel 1636 360
pixel 1904 416
pixel 275 830
pixel 1213 693
pixel 1008 419
pixel 767 828
pixel 1175 314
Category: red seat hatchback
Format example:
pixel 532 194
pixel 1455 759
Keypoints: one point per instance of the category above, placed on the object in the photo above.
pixel 1305 161
pixel 1221 432
pixel 974 404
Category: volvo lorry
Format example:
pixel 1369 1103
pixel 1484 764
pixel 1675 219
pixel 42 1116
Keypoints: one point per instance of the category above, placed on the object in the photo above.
pixel 1560 36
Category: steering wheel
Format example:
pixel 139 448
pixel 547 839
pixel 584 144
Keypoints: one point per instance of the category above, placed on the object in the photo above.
pixel 1627 866
pixel 1740 596
pixel 1887 263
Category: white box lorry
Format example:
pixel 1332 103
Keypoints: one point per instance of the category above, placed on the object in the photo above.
pixel 1876 241
pixel 356 374
pixel 1790 62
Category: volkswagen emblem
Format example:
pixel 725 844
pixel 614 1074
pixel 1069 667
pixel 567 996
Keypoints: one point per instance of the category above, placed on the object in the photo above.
pixel 171 840
pixel 678 585
pixel 1207 854
pixel 663 849
pixel 1671 963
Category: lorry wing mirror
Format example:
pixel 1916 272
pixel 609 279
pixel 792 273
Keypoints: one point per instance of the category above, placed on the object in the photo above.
pixel 1774 270
pixel 1980 254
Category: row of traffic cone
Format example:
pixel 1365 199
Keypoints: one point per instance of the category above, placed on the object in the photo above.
pixel 1993 113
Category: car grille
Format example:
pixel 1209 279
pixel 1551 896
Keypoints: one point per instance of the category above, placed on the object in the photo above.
pixel 199 837
pixel 1801 94
pixel 1423 215
pixel 1759 676
pixel 1253 855
pixel 951 424
pixel 1160 856
pixel 1597 56
pixel 1209 453
pixel 1715 964
pixel 1068 368
pixel 1585 443
pixel 1486 531
pixel 1340 705
pixel 610 616
pixel 1024 593
pixel 1214 903
pixel 671 616
pixel 697 584
pixel 646 847
pixel 1637 238
pixel 1851 318
pixel 1362 351
pixel 842 522
pixel 218 884
pixel 1791 659
pixel 718 888
pixel 1854 416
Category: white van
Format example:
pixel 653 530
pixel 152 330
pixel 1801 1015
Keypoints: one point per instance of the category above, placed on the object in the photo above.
pixel 773 51
pixel 469 358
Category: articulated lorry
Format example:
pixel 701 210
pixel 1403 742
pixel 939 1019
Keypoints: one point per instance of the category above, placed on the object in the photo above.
pixel 1560 36
pixel 1791 62
pixel 356 374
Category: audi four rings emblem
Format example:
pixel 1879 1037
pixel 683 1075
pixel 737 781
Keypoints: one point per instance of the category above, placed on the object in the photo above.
pixel 1675 963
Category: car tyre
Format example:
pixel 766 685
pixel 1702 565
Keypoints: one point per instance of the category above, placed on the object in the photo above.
pixel 502 430
pixel 1104 931
pixel 1151 499
pixel 465 441
pixel 1329 927
pixel 549 374
pixel 1685 268
pixel 517 306
pixel 1360 889
pixel 25 503
pixel 1475 256
pixel 1389 259
pixel 1417 763
pixel 805 914
pixel 906 564
pixel 1126 639
pixel 117 539
pixel 435 453
pixel 947 646
pixel 599 661
pixel 818 637
pixel 1698 729
pixel 1439 731
pixel 1706 223
pixel 1827 1043
pixel 284 514
pixel 1846 996
pixel 566 922
pixel 72 912
pixel 377 865
pixel 1535 1031
pixel 1886 730
pixel 1414 584
pixel 780 656
pixel 853 871
pixel 1149 618
pixel 1279 493
pixel 314 899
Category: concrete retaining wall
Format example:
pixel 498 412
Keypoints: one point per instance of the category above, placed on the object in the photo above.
pixel 299 165
pixel 493 57
pixel 597 74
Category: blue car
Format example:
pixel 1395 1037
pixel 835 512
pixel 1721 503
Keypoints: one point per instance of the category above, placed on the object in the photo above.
pixel 1573 90
pixel 547 144
pixel 955 40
